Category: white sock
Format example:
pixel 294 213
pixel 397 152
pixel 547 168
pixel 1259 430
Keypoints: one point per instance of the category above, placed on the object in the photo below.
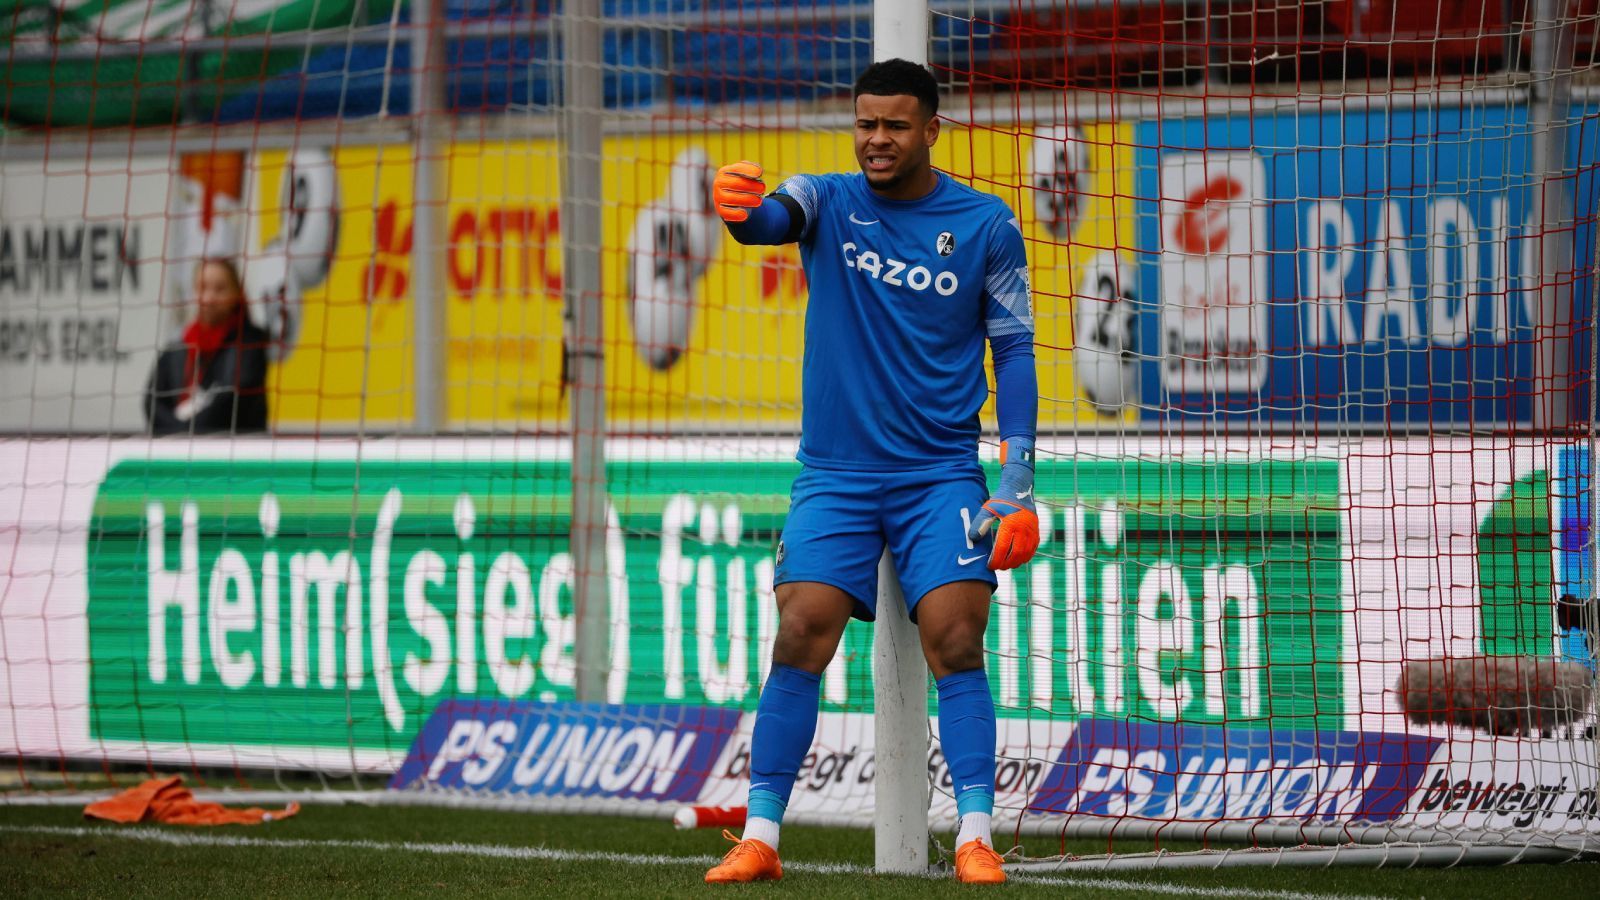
pixel 766 831
pixel 974 827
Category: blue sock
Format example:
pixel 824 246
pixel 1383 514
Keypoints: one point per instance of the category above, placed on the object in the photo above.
pixel 967 733
pixel 786 721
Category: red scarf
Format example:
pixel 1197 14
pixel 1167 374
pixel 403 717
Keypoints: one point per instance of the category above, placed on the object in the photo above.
pixel 203 341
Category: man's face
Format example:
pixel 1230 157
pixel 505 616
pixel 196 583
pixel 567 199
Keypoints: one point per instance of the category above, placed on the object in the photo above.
pixel 893 135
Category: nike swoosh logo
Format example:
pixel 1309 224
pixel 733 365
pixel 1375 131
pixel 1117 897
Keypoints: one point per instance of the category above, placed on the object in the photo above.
pixel 965 561
pixel 1025 494
pixel 859 222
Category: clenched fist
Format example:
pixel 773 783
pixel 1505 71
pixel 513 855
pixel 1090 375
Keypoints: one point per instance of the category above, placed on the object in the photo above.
pixel 736 190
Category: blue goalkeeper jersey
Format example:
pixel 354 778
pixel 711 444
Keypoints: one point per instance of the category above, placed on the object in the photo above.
pixel 903 293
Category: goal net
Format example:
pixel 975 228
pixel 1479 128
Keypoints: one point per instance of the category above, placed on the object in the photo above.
pixel 1314 288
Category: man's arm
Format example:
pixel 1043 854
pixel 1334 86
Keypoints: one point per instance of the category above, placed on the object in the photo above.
pixel 751 219
pixel 1008 320
pixel 1016 387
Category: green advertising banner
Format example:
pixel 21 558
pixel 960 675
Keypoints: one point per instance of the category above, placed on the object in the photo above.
pixel 335 603
pixel 1516 570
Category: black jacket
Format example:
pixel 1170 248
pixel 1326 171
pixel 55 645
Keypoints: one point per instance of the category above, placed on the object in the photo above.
pixel 231 396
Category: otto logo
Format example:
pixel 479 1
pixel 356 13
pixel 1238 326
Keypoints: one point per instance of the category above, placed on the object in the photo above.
pixel 1202 227
pixel 505 249
pixel 892 271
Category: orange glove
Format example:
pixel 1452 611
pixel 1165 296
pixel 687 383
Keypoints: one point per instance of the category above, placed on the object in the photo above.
pixel 1017 538
pixel 1011 508
pixel 736 190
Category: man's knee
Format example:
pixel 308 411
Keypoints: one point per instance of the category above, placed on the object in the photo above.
pixel 808 634
pixel 803 639
pixel 955 648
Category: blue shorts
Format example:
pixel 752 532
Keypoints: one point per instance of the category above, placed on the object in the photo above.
pixel 840 521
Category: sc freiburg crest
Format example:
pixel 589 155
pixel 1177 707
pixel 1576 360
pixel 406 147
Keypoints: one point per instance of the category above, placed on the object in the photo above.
pixel 946 243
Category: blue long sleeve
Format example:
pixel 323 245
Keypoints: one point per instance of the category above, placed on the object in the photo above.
pixel 1016 385
pixel 773 222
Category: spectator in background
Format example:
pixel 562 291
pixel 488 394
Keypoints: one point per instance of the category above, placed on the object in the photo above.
pixel 215 381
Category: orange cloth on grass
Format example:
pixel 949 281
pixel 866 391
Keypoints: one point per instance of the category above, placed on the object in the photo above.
pixel 167 800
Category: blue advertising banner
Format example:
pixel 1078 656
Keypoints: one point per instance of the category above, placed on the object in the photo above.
pixel 1173 772
pixel 1571 499
pixel 1352 265
pixel 564 749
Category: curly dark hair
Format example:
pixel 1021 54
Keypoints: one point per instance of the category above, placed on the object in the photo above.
pixel 892 77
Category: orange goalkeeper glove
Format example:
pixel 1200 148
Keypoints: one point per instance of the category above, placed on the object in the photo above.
pixel 736 190
pixel 1011 507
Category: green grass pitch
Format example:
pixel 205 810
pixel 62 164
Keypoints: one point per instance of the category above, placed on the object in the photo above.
pixel 358 850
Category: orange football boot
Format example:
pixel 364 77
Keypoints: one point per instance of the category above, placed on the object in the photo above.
pixel 749 860
pixel 977 863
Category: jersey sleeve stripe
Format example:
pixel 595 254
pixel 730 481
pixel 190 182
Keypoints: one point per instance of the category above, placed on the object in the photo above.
pixel 804 192
pixel 1009 325
pixel 1009 288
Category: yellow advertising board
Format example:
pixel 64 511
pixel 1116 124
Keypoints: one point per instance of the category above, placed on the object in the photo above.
pixel 347 367
pixel 702 333
pixel 1073 189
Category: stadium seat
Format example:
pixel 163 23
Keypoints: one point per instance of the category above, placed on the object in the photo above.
pixel 44 86
pixel 1136 44
pixel 483 74
pixel 1277 40
pixel 726 64
pixel 1407 37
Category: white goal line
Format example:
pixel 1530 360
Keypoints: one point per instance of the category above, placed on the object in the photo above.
pixel 552 854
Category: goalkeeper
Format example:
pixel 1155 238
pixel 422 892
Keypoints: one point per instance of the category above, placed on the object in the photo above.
pixel 910 271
